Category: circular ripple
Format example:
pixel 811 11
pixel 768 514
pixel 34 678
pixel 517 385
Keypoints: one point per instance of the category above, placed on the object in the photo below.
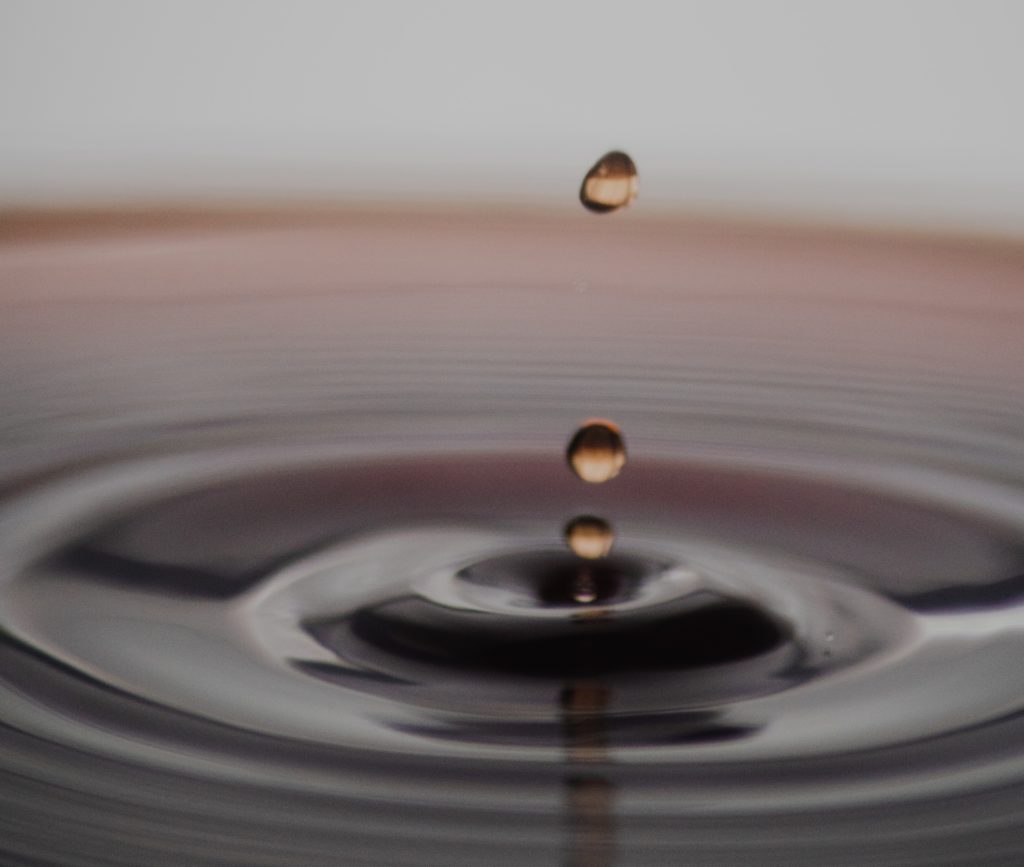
pixel 268 594
pixel 283 579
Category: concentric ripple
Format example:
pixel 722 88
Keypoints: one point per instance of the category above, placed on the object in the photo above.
pixel 283 578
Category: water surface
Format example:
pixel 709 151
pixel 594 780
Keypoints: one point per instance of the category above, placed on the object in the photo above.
pixel 283 564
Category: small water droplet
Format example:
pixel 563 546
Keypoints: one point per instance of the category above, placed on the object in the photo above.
pixel 610 184
pixel 830 636
pixel 596 452
pixel 589 537
pixel 584 589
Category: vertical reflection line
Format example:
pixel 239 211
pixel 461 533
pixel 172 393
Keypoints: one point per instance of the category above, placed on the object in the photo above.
pixel 589 795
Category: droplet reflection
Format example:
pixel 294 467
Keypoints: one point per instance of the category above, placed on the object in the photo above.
pixel 584 588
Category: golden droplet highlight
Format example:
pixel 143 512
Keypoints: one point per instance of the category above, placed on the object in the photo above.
pixel 596 452
pixel 610 184
pixel 589 537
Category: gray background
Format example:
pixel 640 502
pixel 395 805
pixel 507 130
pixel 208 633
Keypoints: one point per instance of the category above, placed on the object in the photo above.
pixel 879 112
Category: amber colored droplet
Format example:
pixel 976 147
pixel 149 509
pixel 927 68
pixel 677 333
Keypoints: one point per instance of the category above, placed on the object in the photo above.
pixel 610 184
pixel 589 537
pixel 596 452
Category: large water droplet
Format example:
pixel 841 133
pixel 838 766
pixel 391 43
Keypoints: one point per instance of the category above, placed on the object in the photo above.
pixel 610 184
pixel 589 537
pixel 596 452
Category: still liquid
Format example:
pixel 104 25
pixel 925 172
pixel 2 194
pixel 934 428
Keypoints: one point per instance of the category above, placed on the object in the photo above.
pixel 294 571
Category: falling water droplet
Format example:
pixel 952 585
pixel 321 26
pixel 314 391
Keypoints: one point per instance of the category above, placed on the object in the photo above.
pixel 610 184
pixel 584 588
pixel 596 452
pixel 589 537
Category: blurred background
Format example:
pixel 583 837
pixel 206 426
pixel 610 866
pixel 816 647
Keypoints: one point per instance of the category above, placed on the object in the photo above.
pixel 880 112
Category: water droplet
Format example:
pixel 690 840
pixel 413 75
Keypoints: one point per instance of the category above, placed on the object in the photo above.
pixel 584 588
pixel 589 537
pixel 610 184
pixel 596 452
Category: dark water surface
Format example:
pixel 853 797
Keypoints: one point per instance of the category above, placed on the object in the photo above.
pixel 283 575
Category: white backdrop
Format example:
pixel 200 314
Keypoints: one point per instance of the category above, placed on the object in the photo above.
pixel 877 111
